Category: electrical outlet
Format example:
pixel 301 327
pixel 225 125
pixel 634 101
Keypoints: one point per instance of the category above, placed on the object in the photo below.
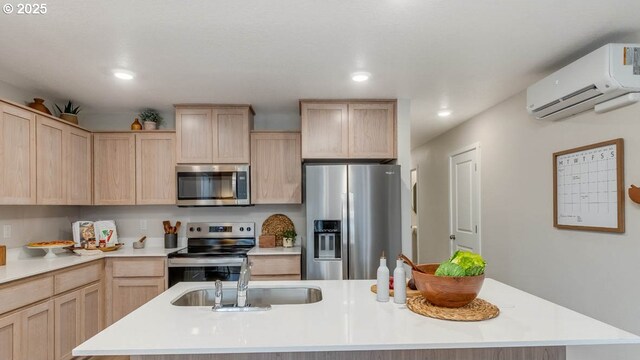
pixel 143 224
pixel 7 231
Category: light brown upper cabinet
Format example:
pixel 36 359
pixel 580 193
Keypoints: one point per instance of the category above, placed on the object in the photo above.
pixel 231 128
pixel 79 167
pixel 213 134
pixel 276 168
pixel 51 160
pixel 63 174
pixel 372 131
pixel 134 168
pixel 17 155
pixel 325 131
pixel 348 129
pixel 194 136
pixel 155 168
pixel 114 169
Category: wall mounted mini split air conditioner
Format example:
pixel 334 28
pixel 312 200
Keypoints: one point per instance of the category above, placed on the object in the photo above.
pixel 606 79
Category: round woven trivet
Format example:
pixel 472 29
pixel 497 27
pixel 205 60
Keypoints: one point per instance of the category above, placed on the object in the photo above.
pixel 476 310
pixel 275 225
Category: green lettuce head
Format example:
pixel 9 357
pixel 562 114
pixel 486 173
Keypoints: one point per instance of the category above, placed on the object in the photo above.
pixel 449 269
pixel 473 264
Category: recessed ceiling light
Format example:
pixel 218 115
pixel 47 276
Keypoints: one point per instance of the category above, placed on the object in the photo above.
pixel 123 74
pixel 444 113
pixel 360 76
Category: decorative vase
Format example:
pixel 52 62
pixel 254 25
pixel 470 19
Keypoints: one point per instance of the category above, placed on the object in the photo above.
pixel 72 118
pixel 150 125
pixel 136 125
pixel 287 242
pixel 38 104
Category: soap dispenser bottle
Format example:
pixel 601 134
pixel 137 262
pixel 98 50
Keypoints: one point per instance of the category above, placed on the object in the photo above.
pixel 382 294
pixel 399 283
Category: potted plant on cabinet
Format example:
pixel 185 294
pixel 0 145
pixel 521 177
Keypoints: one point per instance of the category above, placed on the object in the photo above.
pixel 289 238
pixel 69 113
pixel 151 119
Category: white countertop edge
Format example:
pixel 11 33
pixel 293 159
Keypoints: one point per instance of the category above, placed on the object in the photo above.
pixel 360 347
pixel 20 266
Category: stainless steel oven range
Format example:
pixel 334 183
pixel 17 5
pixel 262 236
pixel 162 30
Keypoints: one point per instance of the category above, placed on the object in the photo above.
pixel 215 251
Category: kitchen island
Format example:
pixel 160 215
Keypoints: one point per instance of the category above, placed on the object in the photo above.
pixel 348 319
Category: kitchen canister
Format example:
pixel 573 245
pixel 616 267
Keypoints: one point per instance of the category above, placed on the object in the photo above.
pixel 170 241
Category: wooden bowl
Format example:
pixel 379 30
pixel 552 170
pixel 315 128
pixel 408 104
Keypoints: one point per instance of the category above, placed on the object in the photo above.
pixel 446 291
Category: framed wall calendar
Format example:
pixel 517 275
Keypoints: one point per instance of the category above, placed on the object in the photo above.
pixel 588 187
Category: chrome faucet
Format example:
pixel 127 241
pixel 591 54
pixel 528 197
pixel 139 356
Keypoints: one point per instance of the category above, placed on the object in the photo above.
pixel 243 284
pixel 217 300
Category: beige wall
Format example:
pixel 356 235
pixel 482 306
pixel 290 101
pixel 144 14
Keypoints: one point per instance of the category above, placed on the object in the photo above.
pixel 36 223
pixel 592 272
pixel 121 120
pixel 128 217
pixel 404 160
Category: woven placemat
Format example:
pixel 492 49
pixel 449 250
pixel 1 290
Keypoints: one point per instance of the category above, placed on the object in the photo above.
pixel 275 225
pixel 476 310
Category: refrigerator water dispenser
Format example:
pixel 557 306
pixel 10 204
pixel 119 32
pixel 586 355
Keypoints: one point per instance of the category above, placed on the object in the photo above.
pixel 327 240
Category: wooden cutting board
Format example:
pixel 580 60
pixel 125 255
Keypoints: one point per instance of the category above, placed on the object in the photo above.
pixel 410 292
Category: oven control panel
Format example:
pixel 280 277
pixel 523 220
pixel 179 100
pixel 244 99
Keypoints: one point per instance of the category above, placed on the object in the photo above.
pixel 220 230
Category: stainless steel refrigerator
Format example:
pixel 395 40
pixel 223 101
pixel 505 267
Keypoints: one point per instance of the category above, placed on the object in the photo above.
pixel 353 215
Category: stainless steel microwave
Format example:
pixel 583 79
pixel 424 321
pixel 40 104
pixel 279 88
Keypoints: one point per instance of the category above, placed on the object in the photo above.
pixel 212 185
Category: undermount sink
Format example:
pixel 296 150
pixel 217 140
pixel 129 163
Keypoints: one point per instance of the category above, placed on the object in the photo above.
pixel 256 296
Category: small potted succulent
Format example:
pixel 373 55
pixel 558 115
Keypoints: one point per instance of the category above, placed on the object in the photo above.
pixel 151 119
pixel 69 113
pixel 289 238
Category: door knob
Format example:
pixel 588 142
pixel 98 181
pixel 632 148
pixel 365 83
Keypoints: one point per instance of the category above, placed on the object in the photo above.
pixel 452 237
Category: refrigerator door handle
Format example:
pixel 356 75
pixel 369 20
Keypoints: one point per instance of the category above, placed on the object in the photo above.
pixel 345 244
pixel 352 236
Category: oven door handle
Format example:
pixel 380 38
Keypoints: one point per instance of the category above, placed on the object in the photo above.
pixel 180 262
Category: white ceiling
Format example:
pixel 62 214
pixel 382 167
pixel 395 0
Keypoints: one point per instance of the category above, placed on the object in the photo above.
pixel 464 54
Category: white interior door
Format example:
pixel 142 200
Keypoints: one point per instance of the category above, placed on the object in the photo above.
pixel 464 195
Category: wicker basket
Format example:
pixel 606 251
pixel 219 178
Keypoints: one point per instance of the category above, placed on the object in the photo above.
pixel 275 225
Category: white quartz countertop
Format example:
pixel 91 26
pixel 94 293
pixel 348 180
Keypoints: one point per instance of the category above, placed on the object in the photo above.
pixel 296 250
pixel 348 318
pixel 22 262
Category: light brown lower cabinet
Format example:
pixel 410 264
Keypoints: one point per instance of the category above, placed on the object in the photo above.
pixel 28 334
pixel 131 283
pixel 131 293
pixel 10 336
pixel 78 316
pixel 275 267
pixel 38 332
pixel 59 311
pixel 92 311
pixel 68 324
